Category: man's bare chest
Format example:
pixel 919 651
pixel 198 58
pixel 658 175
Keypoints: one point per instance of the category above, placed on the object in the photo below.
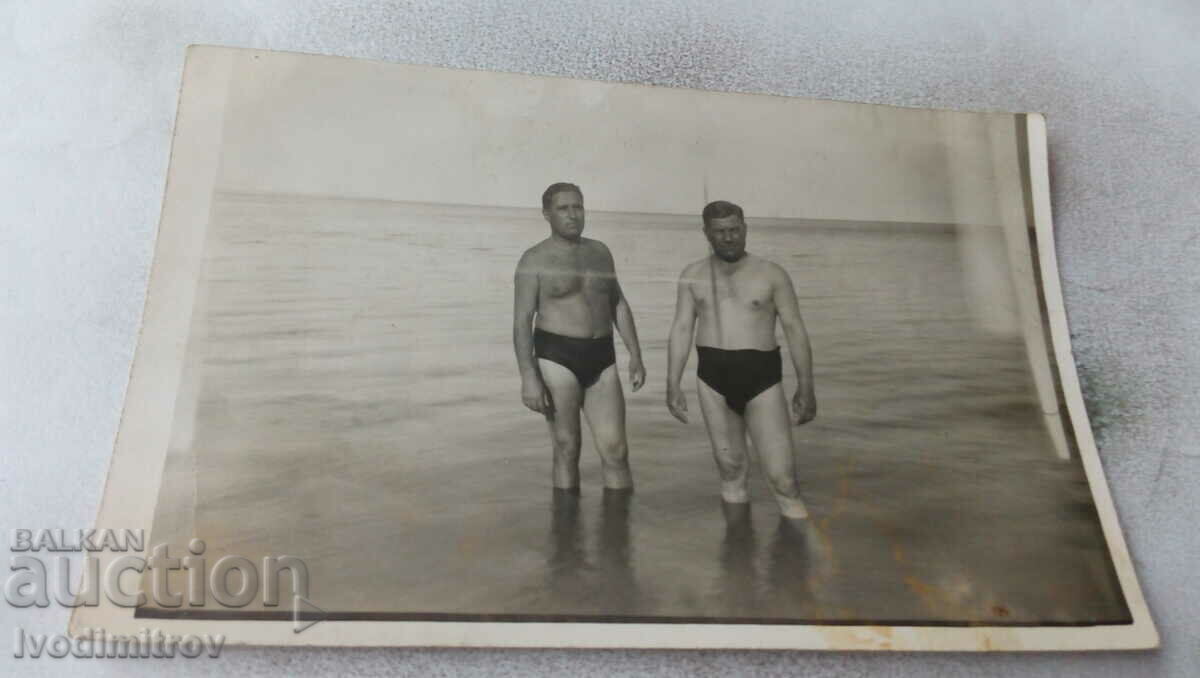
pixel 746 295
pixel 584 273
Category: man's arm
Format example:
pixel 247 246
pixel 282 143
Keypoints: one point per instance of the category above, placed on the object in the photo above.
pixel 679 346
pixel 623 319
pixel 534 393
pixel 804 403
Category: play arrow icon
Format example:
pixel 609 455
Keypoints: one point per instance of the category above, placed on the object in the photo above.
pixel 304 614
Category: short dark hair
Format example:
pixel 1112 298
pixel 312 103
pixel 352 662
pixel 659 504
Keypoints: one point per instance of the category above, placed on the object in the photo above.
pixel 719 209
pixel 556 188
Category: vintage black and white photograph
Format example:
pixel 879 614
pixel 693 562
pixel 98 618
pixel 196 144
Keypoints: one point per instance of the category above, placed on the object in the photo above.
pixel 494 359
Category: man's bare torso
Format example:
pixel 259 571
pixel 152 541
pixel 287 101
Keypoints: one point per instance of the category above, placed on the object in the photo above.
pixel 735 305
pixel 577 287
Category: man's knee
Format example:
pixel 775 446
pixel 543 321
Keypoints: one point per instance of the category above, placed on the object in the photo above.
pixel 783 482
pixel 566 445
pixel 613 451
pixel 732 465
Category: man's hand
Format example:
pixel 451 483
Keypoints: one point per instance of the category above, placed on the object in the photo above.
pixel 804 407
pixel 677 403
pixel 637 373
pixel 536 396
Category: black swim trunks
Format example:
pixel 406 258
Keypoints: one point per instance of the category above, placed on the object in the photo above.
pixel 586 358
pixel 740 374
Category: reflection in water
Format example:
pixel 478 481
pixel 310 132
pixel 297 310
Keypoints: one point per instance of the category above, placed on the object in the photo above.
pixel 604 584
pixel 789 568
pixel 566 542
pixel 614 554
pixel 737 588
pixel 790 576
pixel 590 563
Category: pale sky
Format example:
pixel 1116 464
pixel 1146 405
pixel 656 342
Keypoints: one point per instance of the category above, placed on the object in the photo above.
pixel 331 126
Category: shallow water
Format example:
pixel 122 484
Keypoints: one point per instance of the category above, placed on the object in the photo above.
pixel 351 398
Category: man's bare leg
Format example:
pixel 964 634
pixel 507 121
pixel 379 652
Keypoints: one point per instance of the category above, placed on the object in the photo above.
pixel 604 407
pixel 563 423
pixel 771 430
pixel 727 433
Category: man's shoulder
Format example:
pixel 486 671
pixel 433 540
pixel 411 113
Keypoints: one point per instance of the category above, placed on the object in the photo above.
pixel 597 254
pixel 773 274
pixel 767 267
pixel 534 253
pixel 694 271
pixel 596 245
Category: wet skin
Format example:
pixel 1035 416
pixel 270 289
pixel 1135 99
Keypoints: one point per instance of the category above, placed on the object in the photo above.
pixel 567 285
pixel 732 300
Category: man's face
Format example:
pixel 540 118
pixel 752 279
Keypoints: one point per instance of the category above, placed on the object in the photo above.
pixel 565 214
pixel 727 236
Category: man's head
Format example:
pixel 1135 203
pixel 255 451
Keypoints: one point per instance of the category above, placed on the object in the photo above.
pixel 725 228
pixel 562 205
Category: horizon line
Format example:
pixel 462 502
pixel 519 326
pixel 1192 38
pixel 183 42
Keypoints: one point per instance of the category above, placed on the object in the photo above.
pixel 824 220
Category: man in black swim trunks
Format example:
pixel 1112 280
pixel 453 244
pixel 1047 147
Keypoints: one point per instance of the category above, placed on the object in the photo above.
pixel 737 297
pixel 567 302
